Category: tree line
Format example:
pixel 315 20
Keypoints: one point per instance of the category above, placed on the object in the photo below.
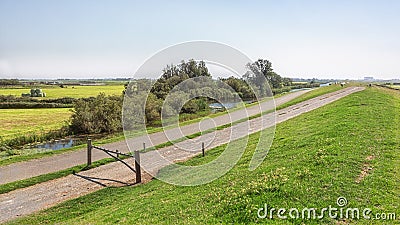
pixel 187 88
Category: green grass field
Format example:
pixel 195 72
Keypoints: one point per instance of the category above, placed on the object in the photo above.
pixel 15 122
pixel 349 148
pixel 76 92
pixel 299 82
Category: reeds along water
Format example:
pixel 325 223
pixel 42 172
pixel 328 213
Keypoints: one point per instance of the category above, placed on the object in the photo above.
pixel 20 140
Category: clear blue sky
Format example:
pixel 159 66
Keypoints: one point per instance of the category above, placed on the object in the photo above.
pixel 104 38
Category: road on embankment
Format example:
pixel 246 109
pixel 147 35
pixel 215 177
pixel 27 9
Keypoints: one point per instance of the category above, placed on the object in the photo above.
pixel 50 164
pixel 44 195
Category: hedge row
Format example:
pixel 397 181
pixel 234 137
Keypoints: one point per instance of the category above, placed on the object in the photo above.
pixel 32 105
pixel 12 98
pixel 387 86
pixel 300 86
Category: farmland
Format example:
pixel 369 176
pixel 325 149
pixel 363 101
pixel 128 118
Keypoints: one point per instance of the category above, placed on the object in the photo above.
pixel 309 165
pixel 17 122
pixel 69 91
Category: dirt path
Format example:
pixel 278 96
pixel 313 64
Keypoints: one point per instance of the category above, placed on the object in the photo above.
pixel 44 195
pixel 36 167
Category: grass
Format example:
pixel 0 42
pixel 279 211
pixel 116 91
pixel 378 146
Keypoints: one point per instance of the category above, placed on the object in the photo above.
pixel 16 122
pixel 4 188
pixel 311 94
pixel 315 158
pixel 22 122
pixel 76 92
pixel 300 82
pixel 395 86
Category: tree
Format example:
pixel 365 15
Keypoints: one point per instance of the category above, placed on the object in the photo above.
pixel 287 81
pixel 173 75
pixel 153 109
pixel 275 80
pixel 97 115
pixel 258 74
pixel 9 82
pixel 263 67
pixel 240 86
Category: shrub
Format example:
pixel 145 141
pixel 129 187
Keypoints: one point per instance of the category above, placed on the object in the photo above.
pixel 101 114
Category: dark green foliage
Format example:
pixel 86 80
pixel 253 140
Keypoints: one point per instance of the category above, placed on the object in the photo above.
pixel 32 105
pixel 276 91
pixel 101 114
pixel 5 82
pixel 13 102
pixel 240 86
pixel 261 70
pixel 153 109
pixel 289 88
pixel 173 75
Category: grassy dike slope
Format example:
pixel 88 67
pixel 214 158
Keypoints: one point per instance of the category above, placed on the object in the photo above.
pixel 315 158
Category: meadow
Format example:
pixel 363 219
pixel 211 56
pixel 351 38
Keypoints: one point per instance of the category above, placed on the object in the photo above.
pixel 68 91
pixel 15 122
pixel 342 149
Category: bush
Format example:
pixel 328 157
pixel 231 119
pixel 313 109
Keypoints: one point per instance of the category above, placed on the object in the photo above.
pixel 101 114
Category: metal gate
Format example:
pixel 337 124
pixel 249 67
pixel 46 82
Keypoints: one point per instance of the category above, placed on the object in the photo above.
pixel 115 155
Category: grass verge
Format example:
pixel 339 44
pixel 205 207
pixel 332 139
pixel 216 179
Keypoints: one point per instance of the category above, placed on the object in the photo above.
pixel 4 188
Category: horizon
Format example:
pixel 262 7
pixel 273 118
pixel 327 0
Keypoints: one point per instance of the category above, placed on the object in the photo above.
pixel 95 40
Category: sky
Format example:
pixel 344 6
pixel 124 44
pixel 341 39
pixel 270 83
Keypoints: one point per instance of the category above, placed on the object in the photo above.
pixel 347 39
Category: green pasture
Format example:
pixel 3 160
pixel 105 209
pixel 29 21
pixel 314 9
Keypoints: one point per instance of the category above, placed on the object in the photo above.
pixel 15 122
pixel 69 91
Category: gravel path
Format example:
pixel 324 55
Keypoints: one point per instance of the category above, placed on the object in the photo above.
pixel 44 195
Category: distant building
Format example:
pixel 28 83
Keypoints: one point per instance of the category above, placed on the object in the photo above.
pixel 368 78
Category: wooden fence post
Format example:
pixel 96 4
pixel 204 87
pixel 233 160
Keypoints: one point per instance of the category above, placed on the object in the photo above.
pixel 137 167
pixel 202 149
pixel 89 152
